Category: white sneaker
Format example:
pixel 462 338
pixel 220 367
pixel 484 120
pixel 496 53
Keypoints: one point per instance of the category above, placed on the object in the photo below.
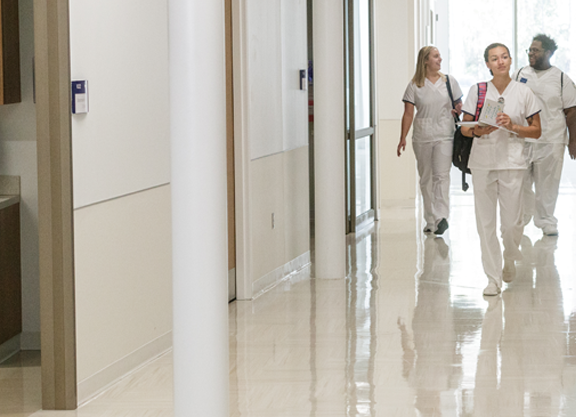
pixel 509 271
pixel 492 289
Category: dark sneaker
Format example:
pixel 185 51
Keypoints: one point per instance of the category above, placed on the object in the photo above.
pixel 442 226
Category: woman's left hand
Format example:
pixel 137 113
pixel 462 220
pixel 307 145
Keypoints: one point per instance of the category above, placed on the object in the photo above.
pixel 504 120
pixel 457 110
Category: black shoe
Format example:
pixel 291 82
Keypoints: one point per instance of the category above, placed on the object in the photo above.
pixel 442 226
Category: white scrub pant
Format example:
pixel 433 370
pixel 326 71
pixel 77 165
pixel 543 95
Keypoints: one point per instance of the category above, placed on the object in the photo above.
pixel 544 172
pixel 434 160
pixel 503 187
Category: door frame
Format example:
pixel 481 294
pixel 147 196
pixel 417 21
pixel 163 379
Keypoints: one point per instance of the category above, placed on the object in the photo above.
pixel 55 204
pixel 353 220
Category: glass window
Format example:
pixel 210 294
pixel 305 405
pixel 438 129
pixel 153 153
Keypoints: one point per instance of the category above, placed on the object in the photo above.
pixel 473 26
pixel 363 175
pixel 362 63
pixel 555 18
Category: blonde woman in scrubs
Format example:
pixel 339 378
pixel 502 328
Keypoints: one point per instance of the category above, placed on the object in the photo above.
pixel 498 163
pixel 433 134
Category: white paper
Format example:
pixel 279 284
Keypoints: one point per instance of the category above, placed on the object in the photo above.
pixel 489 113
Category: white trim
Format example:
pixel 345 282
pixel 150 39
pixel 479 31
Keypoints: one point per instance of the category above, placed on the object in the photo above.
pixel 241 154
pixel 280 152
pixel 296 267
pixel 90 387
pixel 9 348
pixel 106 200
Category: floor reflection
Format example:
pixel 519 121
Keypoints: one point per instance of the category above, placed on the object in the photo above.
pixel 406 334
pixel 361 334
pixel 429 371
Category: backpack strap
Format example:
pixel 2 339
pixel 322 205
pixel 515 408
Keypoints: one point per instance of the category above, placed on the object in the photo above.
pixel 482 87
pixel 519 71
pixel 449 87
pixel 562 86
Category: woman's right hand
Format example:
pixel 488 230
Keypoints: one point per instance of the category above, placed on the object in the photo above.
pixel 401 146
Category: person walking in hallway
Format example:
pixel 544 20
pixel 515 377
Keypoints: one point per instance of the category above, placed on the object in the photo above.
pixel 433 134
pixel 556 95
pixel 498 161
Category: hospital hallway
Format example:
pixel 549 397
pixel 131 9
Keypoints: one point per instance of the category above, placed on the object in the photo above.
pixel 407 334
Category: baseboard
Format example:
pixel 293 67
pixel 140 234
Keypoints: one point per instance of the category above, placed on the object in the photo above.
pixel 9 348
pixel 30 341
pixel 95 384
pixel 270 280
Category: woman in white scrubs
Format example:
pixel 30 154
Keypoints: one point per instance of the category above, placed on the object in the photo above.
pixel 498 163
pixel 433 134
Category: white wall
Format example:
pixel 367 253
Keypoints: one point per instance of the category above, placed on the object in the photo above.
pixel 294 58
pixel 121 145
pixel 121 168
pixel 395 38
pixel 18 157
pixel 277 50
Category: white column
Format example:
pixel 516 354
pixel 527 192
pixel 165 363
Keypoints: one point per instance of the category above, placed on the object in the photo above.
pixel 329 163
pixel 200 264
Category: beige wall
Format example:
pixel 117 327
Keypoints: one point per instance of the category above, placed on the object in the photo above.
pixel 280 187
pixel 395 51
pixel 123 285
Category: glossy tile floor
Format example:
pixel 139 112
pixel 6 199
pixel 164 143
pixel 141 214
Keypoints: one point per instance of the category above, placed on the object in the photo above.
pixel 407 334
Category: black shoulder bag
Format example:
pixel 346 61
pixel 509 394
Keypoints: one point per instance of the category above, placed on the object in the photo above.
pixel 462 145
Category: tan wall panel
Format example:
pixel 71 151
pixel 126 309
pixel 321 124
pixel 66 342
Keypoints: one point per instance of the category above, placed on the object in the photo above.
pixel 123 277
pixel 397 175
pixel 296 186
pixel 280 186
pixel 267 197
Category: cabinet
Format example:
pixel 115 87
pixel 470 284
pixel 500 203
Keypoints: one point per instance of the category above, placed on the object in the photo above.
pixel 10 276
pixel 10 52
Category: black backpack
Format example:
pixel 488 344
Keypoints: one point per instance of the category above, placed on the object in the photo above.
pixel 462 145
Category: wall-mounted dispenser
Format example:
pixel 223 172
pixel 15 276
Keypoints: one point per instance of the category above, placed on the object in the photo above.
pixel 79 97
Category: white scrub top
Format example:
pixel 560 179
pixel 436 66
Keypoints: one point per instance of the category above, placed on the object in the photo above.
pixel 500 149
pixel 552 99
pixel 433 121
